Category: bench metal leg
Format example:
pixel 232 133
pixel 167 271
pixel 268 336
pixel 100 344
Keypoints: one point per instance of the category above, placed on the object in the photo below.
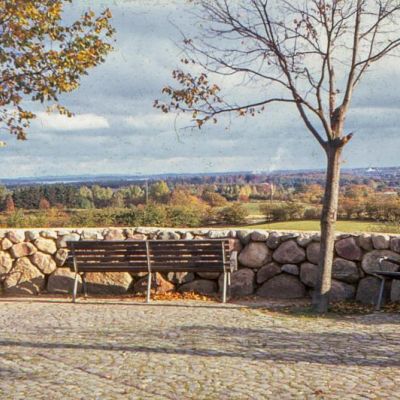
pixel 85 293
pixel 148 287
pixel 378 304
pixel 75 288
pixel 224 288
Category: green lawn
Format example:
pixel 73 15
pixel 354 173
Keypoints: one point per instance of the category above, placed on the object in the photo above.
pixel 341 226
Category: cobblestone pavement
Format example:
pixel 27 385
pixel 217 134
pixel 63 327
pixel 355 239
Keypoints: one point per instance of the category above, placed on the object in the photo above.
pixel 52 349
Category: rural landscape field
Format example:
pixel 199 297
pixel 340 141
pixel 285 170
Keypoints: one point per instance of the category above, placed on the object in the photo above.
pixel 370 201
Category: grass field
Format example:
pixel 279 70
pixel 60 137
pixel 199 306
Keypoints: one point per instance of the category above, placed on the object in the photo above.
pixel 341 226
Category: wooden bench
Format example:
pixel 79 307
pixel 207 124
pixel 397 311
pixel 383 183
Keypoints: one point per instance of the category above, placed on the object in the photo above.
pixel 151 256
pixel 383 275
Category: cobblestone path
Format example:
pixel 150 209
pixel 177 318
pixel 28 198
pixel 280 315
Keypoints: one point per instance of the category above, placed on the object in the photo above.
pixel 52 349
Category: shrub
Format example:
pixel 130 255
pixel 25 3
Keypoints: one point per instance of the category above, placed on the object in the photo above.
pixel 39 219
pixel 214 199
pixel 283 212
pixel 312 213
pixel 93 218
pixel 16 219
pixel 235 214
pixel 149 215
pixel 189 216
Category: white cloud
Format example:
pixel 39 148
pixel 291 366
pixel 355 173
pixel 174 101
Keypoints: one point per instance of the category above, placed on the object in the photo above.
pixel 78 122
pixel 151 121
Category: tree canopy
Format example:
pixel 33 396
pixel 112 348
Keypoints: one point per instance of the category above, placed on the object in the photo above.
pixel 41 56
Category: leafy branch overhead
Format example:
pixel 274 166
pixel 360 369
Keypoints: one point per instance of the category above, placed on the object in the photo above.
pixel 41 57
pixel 311 53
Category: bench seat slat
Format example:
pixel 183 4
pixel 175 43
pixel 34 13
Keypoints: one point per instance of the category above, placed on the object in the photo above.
pixel 94 247
pixel 184 250
pixel 121 268
pixel 109 253
pixel 187 243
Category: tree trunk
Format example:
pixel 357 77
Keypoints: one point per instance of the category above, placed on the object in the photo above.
pixel 328 221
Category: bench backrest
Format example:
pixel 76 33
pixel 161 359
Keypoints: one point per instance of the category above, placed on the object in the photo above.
pixel 156 255
pixel 188 255
pixel 98 256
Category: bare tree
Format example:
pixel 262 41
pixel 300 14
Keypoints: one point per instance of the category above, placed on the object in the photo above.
pixel 310 53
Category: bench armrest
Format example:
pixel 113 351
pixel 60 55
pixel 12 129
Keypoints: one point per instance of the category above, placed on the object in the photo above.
pixel 233 261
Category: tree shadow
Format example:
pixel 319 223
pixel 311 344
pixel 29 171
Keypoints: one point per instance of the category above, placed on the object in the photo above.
pixel 278 344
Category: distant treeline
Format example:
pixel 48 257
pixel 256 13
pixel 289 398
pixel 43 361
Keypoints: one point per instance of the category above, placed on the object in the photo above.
pixel 97 197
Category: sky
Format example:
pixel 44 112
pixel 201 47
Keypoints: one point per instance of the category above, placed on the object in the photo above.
pixel 116 130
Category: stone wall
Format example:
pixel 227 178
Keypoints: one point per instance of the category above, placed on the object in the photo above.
pixel 271 264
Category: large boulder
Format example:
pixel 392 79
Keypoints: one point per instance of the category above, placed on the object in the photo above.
pixel 168 235
pixel 242 282
pixel 381 242
pixel 163 286
pixel 62 281
pixel 348 248
pixel 395 244
pixel 61 256
pixel 244 236
pixel 48 235
pixel 309 274
pixel 22 250
pixel 368 290
pixel 6 244
pixel 16 236
pixel 365 242
pixel 291 269
pixel 345 270
pixel 282 286
pixel 180 277
pixel 290 235
pixel 304 239
pixel 24 278
pixel 255 255
pixel 44 262
pixel 5 264
pixel 187 235
pixel 341 291
pixel 259 236
pixel 201 286
pixel 108 282
pixel 70 237
pixel 313 252
pixel 289 252
pixel 132 235
pixel 219 234
pixel 46 245
pixel 395 291
pixel 370 261
pixel 273 241
pixel 91 234
pixel 114 234
pixel 267 272
pixel 208 275
pixel 30 236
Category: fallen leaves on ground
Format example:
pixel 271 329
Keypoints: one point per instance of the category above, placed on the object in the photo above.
pixel 173 296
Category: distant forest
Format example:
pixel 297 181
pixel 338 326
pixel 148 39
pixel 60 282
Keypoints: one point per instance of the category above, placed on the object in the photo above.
pixel 199 200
